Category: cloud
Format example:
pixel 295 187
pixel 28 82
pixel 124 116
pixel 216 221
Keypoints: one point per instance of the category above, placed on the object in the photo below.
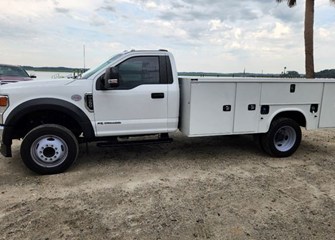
pixel 217 35
pixel 107 5
pixel 108 8
pixel 22 31
pixel 62 10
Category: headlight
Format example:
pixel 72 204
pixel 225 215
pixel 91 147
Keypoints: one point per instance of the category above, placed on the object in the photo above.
pixel 4 103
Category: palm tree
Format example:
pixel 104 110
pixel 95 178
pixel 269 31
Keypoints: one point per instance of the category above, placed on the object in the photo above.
pixel 309 34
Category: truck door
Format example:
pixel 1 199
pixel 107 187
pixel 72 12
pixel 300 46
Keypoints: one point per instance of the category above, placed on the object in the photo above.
pixel 139 104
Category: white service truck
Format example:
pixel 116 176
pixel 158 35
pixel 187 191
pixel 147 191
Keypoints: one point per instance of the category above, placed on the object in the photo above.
pixel 138 93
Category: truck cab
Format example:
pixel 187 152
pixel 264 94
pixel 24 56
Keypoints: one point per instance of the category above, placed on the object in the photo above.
pixel 138 93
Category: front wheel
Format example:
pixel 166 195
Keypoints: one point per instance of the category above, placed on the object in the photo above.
pixel 49 149
pixel 282 139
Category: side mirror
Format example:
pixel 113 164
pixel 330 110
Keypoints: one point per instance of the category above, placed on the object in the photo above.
pixel 111 78
pixel 32 76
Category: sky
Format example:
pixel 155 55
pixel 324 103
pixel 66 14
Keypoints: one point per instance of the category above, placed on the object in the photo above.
pixel 204 35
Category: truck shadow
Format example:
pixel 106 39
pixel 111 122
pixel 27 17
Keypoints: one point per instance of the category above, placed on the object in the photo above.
pixel 210 150
pixel 182 148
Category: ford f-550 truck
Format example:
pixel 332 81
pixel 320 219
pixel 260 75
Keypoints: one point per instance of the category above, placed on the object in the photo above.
pixel 138 93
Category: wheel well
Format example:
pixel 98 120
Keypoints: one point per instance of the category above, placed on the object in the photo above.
pixel 37 118
pixel 294 115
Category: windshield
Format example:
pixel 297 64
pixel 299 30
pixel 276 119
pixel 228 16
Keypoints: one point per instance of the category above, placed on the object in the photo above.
pixel 94 70
pixel 12 71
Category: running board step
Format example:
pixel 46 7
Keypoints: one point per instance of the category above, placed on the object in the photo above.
pixel 118 143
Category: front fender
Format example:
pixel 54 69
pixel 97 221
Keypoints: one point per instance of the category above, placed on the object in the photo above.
pixel 44 104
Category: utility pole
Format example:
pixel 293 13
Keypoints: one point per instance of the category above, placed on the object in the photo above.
pixel 84 57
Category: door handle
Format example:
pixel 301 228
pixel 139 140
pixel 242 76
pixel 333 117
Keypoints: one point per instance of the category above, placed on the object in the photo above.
pixel 157 95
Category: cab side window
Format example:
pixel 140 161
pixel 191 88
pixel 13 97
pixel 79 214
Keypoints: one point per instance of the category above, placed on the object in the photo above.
pixel 138 71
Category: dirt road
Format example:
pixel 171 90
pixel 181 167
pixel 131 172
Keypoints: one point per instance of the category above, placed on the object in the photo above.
pixel 201 188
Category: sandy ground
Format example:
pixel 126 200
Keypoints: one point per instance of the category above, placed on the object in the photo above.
pixel 201 188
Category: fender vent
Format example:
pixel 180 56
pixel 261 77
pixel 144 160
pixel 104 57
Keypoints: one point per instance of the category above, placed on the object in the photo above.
pixel 89 102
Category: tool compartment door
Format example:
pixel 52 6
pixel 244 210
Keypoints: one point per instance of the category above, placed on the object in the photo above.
pixel 247 113
pixel 327 117
pixel 212 107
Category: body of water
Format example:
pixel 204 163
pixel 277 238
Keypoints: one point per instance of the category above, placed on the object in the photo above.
pixel 50 75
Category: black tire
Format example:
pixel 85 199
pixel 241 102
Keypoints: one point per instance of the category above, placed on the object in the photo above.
pixel 282 139
pixel 49 149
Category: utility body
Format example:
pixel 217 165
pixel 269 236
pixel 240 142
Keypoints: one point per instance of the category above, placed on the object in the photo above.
pixel 138 94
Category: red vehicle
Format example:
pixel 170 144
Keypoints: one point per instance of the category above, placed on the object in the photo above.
pixel 11 73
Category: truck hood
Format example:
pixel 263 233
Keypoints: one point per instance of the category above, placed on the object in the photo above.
pixel 36 84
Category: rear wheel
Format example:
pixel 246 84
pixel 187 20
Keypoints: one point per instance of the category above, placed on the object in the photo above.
pixel 282 139
pixel 49 149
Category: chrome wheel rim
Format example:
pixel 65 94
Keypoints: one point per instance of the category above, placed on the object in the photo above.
pixel 49 151
pixel 285 138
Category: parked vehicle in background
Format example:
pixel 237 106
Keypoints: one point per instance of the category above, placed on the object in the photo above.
pixel 11 73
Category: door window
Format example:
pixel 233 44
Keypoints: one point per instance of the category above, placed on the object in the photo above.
pixel 138 71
